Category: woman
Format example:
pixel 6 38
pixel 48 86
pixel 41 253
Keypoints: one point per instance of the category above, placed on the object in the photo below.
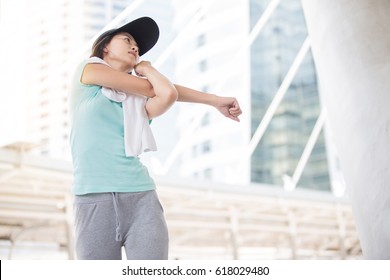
pixel 115 200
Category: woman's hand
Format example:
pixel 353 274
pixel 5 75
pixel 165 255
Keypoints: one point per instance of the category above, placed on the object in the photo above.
pixel 141 68
pixel 229 107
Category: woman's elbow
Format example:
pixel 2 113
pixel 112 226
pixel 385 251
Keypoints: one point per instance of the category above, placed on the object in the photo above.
pixel 171 96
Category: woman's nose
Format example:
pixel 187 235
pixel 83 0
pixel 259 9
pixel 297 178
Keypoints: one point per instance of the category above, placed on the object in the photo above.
pixel 134 49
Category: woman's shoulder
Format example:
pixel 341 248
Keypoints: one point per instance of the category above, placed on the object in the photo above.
pixel 79 70
pixel 94 59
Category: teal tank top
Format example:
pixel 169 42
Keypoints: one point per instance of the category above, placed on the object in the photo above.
pixel 97 144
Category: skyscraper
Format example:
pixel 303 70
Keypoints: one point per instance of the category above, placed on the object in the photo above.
pixel 272 54
pixel 38 40
pixel 216 50
pixel 210 57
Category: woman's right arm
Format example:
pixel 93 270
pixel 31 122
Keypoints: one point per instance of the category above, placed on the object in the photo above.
pixel 166 93
pixel 161 92
pixel 105 76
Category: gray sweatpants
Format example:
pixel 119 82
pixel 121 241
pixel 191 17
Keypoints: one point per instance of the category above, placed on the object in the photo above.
pixel 104 222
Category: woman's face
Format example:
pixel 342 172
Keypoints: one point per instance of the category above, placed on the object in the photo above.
pixel 123 48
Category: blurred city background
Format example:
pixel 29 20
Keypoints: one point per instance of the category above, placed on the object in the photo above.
pixel 269 187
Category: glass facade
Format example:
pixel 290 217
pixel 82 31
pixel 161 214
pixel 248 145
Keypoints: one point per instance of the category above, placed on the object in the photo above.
pixel 272 54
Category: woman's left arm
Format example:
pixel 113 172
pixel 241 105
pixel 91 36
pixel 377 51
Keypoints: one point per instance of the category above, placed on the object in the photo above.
pixel 228 106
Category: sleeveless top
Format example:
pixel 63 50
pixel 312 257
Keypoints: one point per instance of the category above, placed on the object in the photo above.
pixel 97 144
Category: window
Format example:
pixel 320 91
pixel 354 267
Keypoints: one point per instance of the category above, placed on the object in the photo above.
pixel 201 40
pixel 206 147
pixel 203 65
pixel 206 119
pixel 208 173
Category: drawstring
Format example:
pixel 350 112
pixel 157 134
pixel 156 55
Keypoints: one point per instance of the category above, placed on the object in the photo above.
pixel 118 236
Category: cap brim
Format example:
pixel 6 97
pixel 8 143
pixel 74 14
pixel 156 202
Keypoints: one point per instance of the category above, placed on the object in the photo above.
pixel 144 30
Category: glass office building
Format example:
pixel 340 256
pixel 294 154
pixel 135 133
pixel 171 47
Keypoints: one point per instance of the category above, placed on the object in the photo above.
pixel 272 54
pixel 253 78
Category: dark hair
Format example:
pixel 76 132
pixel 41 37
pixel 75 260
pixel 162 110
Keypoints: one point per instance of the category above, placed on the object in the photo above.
pixel 101 42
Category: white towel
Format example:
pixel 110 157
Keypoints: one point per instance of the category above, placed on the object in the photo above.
pixel 138 134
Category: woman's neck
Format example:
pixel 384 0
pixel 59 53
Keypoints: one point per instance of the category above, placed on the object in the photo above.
pixel 118 65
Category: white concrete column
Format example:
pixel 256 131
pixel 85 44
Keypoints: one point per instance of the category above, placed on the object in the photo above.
pixel 351 48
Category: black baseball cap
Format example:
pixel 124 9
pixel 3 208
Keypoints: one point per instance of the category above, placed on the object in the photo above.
pixel 144 30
